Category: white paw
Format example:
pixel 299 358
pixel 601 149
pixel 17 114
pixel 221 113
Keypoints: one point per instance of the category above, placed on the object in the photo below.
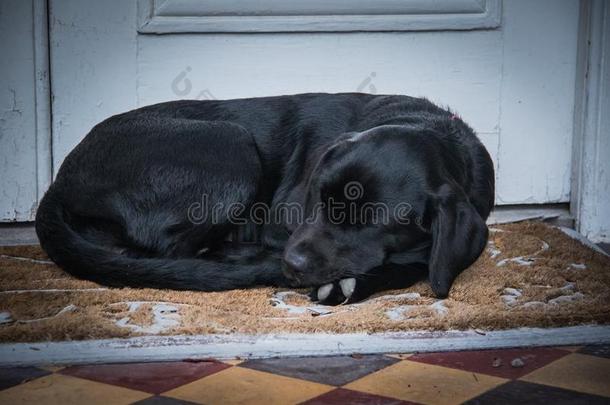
pixel 324 291
pixel 348 285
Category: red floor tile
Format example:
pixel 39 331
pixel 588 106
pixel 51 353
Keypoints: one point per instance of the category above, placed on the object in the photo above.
pixel 483 361
pixel 149 377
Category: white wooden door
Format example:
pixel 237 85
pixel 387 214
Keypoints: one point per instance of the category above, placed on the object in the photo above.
pixel 507 67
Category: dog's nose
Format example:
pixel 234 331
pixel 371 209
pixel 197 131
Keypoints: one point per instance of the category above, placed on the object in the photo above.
pixel 296 262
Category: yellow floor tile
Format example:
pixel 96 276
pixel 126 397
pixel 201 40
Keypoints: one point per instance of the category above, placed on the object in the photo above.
pixel 65 390
pixel 425 383
pixel 578 372
pixel 237 385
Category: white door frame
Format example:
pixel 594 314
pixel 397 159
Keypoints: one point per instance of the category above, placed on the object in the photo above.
pixel 590 189
pixel 44 151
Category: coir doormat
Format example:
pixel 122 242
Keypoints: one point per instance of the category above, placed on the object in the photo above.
pixel 531 275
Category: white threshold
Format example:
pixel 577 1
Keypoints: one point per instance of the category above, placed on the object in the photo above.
pixel 173 348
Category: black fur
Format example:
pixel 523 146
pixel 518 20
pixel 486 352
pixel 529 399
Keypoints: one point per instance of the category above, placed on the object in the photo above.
pixel 121 209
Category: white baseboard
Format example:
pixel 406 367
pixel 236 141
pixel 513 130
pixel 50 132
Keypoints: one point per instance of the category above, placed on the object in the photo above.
pixel 166 348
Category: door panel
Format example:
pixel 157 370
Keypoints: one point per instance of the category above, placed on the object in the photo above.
pixel 171 16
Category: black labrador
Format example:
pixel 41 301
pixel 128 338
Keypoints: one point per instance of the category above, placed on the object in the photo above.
pixel 348 193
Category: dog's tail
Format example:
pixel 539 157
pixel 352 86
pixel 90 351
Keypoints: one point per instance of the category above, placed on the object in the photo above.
pixel 84 258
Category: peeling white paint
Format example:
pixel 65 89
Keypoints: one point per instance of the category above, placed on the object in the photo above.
pixel 24 104
pixel 223 346
pixel 591 143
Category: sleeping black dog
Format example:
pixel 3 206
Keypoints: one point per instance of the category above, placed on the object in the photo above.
pixel 346 193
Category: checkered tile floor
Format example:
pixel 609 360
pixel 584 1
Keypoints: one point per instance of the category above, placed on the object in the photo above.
pixel 540 375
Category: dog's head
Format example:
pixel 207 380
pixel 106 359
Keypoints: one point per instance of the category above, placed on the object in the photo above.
pixel 385 196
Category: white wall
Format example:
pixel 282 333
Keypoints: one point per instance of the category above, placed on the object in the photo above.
pixel 25 156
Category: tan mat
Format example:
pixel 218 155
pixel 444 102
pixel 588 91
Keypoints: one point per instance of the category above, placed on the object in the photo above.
pixel 530 275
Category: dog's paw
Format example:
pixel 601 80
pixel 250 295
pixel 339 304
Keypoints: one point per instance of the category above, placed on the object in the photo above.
pixel 338 292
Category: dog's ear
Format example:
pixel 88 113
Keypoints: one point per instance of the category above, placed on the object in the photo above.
pixel 459 235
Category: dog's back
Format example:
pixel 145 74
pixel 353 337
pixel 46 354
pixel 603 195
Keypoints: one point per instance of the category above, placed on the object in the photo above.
pixel 117 212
